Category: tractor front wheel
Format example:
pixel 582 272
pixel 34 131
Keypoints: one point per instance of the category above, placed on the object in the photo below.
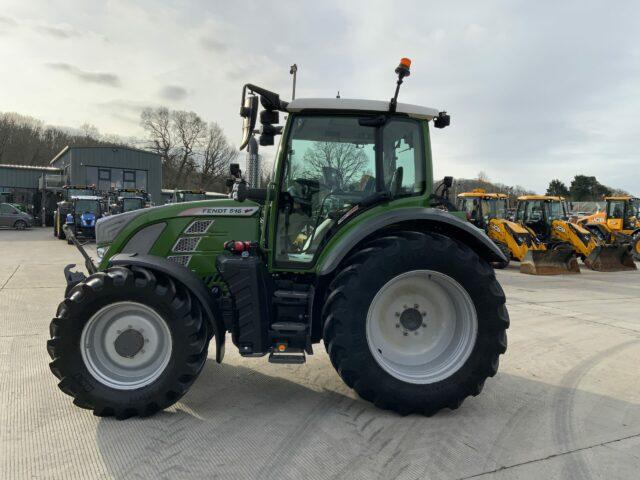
pixel 506 252
pixel 127 342
pixel 635 247
pixel 415 322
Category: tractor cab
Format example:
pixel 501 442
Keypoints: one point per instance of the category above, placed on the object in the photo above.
pixel 127 200
pixel 622 213
pixel 83 215
pixel 538 212
pixel 481 207
pixel 70 191
pixel 180 196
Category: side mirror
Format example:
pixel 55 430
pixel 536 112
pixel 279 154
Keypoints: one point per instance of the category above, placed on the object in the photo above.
pixel 234 169
pixel 442 120
pixel 249 114
pixel 448 182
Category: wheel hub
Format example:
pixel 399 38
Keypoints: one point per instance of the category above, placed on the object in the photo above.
pixel 411 319
pixel 421 326
pixel 126 345
pixel 129 343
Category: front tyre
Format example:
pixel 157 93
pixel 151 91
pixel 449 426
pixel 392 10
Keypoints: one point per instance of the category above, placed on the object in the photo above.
pixel 127 342
pixel 635 247
pixel 504 248
pixel 415 322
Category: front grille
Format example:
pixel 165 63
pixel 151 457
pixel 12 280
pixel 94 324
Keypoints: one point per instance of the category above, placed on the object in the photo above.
pixel 186 244
pixel 198 226
pixel 181 259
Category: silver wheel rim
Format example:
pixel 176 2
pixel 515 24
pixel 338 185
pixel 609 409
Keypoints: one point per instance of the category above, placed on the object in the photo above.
pixel 126 345
pixel 421 326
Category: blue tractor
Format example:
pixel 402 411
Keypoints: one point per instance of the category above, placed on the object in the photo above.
pixel 85 212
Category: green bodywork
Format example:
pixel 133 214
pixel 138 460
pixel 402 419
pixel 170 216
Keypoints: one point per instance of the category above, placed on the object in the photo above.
pixel 261 226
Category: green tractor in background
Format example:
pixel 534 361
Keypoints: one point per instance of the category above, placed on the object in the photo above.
pixel 127 200
pixel 346 246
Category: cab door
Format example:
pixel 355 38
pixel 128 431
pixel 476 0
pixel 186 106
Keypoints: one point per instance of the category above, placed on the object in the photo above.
pixel 615 214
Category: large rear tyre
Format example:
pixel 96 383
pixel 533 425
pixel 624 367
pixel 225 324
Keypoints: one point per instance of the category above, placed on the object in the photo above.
pixel 127 342
pixel 415 322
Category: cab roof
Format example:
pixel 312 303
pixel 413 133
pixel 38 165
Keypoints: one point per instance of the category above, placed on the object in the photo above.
pixel 548 198
pixel 354 104
pixel 86 197
pixel 620 197
pixel 482 194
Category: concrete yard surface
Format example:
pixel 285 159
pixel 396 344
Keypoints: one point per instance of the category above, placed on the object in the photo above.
pixel 565 403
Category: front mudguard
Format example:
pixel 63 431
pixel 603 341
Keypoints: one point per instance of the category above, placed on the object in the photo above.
pixel 185 276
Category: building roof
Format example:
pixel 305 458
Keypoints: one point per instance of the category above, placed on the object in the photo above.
pixel 416 111
pixel 110 147
pixel 30 167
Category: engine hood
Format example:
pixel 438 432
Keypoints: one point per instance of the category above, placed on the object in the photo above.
pixel 108 228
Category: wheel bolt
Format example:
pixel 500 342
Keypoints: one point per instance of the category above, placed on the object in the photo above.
pixel 424 314
pixel 397 314
pixel 424 325
pixel 397 325
pixel 405 334
pixel 415 305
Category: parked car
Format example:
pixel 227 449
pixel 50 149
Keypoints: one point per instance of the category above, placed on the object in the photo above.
pixel 11 217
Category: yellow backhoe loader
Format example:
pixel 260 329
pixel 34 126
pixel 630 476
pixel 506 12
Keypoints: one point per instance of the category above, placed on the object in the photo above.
pixel 547 216
pixel 619 223
pixel 488 211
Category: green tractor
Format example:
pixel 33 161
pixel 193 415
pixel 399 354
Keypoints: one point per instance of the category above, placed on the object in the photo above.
pixel 346 246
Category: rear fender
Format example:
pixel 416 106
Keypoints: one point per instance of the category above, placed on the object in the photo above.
pixel 190 281
pixel 421 219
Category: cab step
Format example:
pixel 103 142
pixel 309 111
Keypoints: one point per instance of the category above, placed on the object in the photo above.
pixel 290 356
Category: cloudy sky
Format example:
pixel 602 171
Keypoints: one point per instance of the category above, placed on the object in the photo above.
pixel 536 90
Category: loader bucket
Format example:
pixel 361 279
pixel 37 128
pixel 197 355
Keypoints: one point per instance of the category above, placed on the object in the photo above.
pixel 611 258
pixel 550 262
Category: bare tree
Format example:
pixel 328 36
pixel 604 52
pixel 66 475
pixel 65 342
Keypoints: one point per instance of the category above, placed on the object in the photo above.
pixel 346 158
pixel 190 130
pixel 157 124
pixel 217 154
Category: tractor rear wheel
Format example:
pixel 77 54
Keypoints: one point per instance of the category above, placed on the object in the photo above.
pixel 127 342
pixel 415 322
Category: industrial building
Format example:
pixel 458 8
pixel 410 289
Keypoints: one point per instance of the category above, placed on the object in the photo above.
pixel 111 168
pixel 108 168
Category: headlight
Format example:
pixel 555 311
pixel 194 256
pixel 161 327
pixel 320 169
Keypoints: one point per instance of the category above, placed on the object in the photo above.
pixel 101 252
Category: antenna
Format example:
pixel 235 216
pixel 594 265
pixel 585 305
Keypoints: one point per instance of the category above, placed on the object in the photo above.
pixel 338 95
pixel 293 71
pixel 403 71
